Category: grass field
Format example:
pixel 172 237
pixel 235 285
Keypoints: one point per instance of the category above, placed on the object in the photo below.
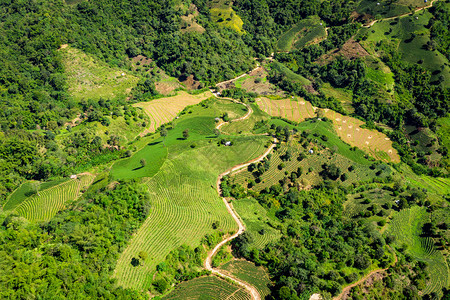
pixel 245 126
pixel 347 128
pixel 256 219
pixel 164 110
pixel 88 77
pixel 43 206
pixel 206 288
pixel 222 13
pixel 387 8
pixel 279 67
pixel 377 196
pixel 406 227
pixel 248 272
pixel 306 32
pixel 413 49
pixel 342 95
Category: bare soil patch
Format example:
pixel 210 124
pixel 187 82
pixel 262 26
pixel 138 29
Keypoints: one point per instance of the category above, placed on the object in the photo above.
pixel 350 50
pixel 190 83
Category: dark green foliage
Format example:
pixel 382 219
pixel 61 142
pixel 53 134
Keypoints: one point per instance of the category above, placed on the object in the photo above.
pixel 74 254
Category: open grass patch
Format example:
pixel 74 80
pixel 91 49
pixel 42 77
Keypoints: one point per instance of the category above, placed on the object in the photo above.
pixel 385 8
pixel 91 78
pixel 342 95
pixel 279 67
pixel 258 222
pixel 223 14
pixel 210 287
pixel 306 32
pixel 412 36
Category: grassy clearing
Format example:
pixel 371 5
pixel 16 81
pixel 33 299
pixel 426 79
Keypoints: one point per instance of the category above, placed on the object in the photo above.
pixel 358 202
pixel 223 14
pixel 387 8
pixel 257 222
pixel 25 189
pixel 343 95
pixel 406 226
pixel 248 272
pixel 411 34
pixel 210 287
pixel 246 125
pixel 164 110
pixel 380 73
pixel 296 109
pixel 90 78
pixel 306 32
pixel 44 205
pixel 256 82
pixel 289 73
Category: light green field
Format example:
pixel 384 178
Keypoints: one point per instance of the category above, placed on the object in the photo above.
pixel 307 31
pixel 255 219
pixel 342 95
pixel 224 15
pixel 88 77
pixel 354 205
pixel 413 50
pixel 406 226
pixel 184 201
pixel 206 288
pixel 248 272
pixel 44 205
pixel 245 126
pixel 385 9
pixel 279 67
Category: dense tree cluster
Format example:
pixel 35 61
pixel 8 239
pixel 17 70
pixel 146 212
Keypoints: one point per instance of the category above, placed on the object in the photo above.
pixel 73 255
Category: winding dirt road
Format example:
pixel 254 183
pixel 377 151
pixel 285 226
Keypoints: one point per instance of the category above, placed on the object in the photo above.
pixel 251 289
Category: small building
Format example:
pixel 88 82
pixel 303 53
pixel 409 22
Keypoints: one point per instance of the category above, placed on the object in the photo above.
pixel 227 143
pixel 311 151
pixel 73 176
pixel 378 3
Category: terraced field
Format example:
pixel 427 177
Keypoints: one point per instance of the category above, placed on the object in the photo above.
pixel 210 287
pixel 164 110
pixel 307 31
pixel 46 204
pixel 251 274
pixel 184 204
pixel 296 109
pixel 406 227
pixel 347 128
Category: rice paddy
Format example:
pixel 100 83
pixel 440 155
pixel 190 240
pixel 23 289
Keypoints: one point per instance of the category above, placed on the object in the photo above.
pixel 164 110
pixel 47 203
pixel 210 287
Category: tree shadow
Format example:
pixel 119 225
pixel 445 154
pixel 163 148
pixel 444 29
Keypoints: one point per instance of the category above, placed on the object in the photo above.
pixel 154 143
pixel 137 168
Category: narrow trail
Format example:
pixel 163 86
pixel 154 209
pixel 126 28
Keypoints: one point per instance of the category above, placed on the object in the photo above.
pixel 251 289
pixel 247 115
pixel 347 289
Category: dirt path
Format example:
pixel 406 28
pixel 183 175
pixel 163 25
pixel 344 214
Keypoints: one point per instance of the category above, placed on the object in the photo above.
pixel 402 15
pixel 347 289
pixel 253 292
pixel 236 78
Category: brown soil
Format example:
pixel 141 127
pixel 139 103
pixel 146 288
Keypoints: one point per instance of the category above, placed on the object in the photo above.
pixel 366 284
pixel 361 18
pixel 190 82
pixel 350 50
pixel 166 88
